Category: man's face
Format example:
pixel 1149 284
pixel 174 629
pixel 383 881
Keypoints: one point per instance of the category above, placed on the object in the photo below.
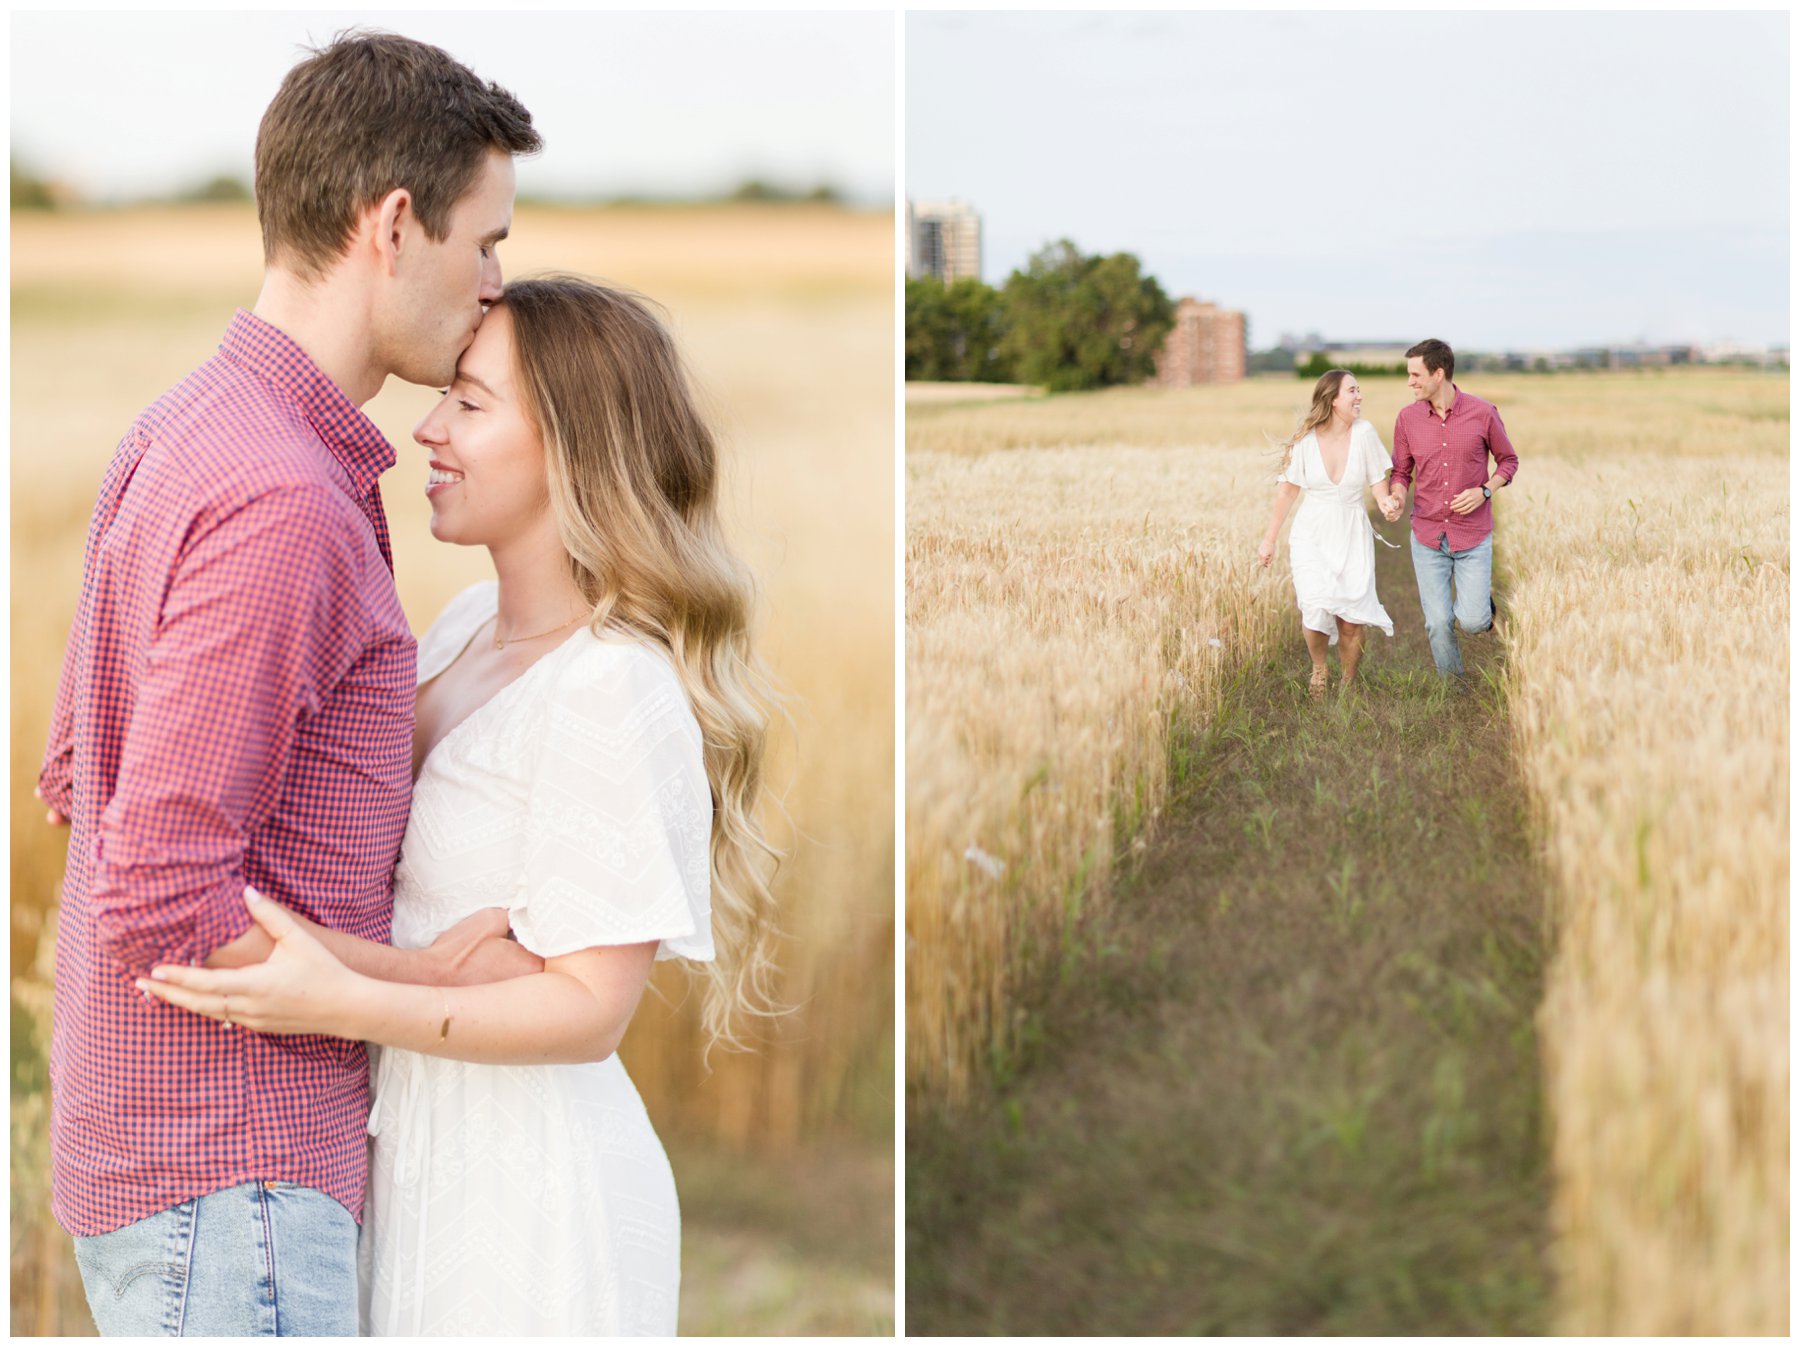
pixel 445 286
pixel 1424 383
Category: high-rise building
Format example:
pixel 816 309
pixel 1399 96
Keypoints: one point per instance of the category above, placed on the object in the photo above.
pixel 1206 346
pixel 943 239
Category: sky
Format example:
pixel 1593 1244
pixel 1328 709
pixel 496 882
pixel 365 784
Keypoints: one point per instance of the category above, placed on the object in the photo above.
pixel 1517 181
pixel 129 104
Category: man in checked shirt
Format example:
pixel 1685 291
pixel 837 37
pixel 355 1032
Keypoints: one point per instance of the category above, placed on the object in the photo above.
pixel 236 707
pixel 1443 443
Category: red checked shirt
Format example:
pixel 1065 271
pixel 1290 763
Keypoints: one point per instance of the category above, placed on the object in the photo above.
pixel 1449 455
pixel 236 707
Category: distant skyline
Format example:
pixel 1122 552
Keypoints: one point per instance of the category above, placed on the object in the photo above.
pixel 132 103
pixel 1591 178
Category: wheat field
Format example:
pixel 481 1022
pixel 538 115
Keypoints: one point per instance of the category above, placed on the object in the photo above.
pixel 785 315
pixel 1065 604
pixel 1650 585
pixel 1070 562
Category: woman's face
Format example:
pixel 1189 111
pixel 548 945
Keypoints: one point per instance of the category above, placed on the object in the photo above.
pixel 1348 402
pixel 488 484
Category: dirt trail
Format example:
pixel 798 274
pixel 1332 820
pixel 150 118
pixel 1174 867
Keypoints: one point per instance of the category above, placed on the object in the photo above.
pixel 1291 1085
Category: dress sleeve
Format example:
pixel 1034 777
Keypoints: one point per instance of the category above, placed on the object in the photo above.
pixel 1375 454
pixel 1292 475
pixel 619 819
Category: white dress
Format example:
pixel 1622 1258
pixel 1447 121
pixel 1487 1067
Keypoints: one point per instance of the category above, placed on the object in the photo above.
pixel 1331 547
pixel 510 1200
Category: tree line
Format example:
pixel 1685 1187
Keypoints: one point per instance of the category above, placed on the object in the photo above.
pixel 1064 321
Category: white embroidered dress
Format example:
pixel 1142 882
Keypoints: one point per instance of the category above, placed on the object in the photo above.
pixel 524 1200
pixel 1331 547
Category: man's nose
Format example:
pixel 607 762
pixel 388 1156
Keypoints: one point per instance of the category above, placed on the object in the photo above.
pixel 492 287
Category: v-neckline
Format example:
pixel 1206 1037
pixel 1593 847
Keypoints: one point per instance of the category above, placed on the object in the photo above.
pixel 1318 448
pixel 492 697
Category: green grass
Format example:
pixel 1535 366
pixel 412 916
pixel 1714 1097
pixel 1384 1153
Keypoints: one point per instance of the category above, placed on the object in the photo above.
pixel 1291 1086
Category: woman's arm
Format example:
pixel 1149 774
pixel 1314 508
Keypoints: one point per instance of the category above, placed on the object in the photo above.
pixel 1285 495
pixel 472 951
pixel 576 1010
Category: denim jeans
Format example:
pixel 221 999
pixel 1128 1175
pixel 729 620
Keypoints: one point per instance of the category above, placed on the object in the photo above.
pixel 263 1259
pixel 1471 572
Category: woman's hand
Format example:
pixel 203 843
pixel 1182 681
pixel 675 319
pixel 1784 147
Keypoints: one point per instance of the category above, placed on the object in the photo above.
pixel 1266 553
pixel 299 989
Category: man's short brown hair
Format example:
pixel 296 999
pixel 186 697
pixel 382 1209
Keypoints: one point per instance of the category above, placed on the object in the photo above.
pixel 361 117
pixel 1437 355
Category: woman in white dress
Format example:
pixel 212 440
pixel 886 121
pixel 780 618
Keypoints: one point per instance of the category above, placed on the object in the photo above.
pixel 1327 464
pixel 588 753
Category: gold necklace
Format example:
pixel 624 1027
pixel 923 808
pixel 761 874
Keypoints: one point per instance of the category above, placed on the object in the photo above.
pixel 501 645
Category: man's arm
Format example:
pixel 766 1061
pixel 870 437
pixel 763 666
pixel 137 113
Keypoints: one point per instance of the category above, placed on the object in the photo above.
pixel 1506 458
pixel 262 616
pixel 1401 476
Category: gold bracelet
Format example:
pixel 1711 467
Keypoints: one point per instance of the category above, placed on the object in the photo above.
pixel 444 1028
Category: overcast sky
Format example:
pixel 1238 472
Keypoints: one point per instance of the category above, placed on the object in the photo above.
pixel 126 104
pixel 1527 179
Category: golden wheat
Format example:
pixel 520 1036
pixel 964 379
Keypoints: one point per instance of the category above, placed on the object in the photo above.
pixel 1649 678
pixel 1062 607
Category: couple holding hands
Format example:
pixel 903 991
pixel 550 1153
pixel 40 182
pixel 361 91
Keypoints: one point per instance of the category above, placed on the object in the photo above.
pixel 1443 444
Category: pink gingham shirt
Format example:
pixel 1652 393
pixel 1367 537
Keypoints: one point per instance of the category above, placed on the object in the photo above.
pixel 1449 455
pixel 236 706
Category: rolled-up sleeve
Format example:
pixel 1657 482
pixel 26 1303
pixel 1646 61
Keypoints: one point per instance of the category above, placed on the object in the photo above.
pixel 1506 458
pixel 1403 457
pixel 261 618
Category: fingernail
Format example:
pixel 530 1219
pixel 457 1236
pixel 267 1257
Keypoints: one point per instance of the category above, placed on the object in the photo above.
pixel 141 985
pixel 251 895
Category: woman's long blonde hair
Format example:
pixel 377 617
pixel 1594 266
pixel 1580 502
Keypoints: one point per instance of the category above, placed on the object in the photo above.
pixel 1319 414
pixel 633 474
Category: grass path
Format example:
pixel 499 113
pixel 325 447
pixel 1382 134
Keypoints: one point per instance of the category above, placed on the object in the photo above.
pixel 1292 1086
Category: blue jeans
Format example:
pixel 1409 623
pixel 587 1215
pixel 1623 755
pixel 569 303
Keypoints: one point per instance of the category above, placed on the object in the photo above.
pixel 1471 572
pixel 263 1259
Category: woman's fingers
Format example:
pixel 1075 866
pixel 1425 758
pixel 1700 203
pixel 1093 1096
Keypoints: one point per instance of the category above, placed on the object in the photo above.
pixel 271 916
pixel 201 1003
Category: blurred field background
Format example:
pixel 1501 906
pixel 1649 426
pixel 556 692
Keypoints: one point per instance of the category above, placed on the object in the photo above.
pixel 1072 560
pixel 784 1157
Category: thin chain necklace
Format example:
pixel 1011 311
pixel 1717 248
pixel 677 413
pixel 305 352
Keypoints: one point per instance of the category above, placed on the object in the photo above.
pixel 518 640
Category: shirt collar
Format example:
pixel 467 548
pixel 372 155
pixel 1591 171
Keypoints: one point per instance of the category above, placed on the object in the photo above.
pixel 352 437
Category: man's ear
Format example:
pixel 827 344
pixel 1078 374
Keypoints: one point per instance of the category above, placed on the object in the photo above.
pixel 394 225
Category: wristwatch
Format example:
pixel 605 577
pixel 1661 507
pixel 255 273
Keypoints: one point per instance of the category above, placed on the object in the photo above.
pixel 1486 494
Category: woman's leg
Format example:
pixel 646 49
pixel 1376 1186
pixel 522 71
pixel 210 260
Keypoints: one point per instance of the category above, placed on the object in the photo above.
pixel 1317 643
pixel 1350 646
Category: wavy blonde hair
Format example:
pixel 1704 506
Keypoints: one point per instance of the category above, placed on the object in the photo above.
pixel 633 474
pixel 1319 414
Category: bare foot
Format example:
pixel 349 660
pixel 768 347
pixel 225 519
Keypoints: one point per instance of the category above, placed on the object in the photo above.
pixel 1317 686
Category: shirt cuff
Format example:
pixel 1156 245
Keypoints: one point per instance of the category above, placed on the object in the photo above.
pixel 142 919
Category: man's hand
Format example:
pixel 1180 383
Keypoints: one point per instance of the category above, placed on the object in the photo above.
pixel 1465 501
pixel 476 950
pixel 1390 507
pixel 51 815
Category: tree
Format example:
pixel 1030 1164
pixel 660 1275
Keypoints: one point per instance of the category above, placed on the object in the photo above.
pixel 955 332
pixel 928 340
pixel 1084 322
